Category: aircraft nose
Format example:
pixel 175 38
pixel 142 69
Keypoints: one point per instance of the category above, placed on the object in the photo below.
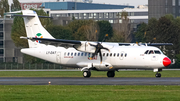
pixel 166 61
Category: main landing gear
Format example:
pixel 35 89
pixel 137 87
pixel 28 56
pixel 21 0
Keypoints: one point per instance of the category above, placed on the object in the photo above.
pixel 87 74
pixel 110 73
pixel 158 75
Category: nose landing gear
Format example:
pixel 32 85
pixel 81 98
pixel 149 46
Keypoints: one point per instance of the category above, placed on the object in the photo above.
pixel 158 75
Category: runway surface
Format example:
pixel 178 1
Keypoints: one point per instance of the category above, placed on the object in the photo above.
pixel 87 81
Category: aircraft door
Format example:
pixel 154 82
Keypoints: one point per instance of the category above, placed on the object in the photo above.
pixel 58 57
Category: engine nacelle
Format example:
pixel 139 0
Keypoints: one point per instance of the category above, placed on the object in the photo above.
pixel 85 47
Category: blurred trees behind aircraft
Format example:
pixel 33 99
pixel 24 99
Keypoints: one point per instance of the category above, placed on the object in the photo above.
pixel 4 7
pixel 90 30
pixel 121 29
pixel 15 6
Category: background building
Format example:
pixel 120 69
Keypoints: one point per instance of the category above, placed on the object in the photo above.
pixel 25 6
pixel 159 8
pixel 80 6
pixel 136 16
pixel 8 51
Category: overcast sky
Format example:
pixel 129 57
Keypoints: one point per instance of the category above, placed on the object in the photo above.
pixel 122 2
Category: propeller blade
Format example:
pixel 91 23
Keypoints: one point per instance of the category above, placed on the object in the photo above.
pixel 106 48
pixel 100 56
pixel 92 45
pixel 95 53
pixel 98 49
pixel 104 38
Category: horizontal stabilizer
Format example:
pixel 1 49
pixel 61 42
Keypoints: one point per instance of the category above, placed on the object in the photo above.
pixel 159 44
pixel 31 16
pixel 15 12
pixel 44 17
pixel 24 15
pixel 22 37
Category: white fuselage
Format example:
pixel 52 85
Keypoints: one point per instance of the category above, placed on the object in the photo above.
pixel 120 57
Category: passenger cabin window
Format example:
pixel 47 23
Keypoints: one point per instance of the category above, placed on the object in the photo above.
pixel 118 55
pixel 121 54
pixel 71 54
pixel 74 54
pixel 103 54
pixel 78 54
pixel 125 54
pixel 68 54
pixel 85 54
pixel 110 54
pixel 157 52
pixel 114 54
pixel 81 54
pixel 107 54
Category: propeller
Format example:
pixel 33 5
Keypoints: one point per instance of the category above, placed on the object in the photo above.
pixel 98 48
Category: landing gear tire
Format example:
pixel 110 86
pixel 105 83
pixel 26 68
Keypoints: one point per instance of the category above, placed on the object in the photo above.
pixel 86 74
pixel 158 75
pixel 110 74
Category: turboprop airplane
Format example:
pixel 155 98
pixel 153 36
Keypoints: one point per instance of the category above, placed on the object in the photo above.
pixel 100 56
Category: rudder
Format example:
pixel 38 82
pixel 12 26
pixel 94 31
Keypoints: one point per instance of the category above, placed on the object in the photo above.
pixel 34 28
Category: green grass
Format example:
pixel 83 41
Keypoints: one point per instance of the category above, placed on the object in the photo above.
pixel 79 74
pixel 89 93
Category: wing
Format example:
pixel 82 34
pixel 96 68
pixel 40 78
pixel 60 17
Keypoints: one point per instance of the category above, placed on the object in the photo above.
pixel 159 44
pixel 145 44
pixel 55 42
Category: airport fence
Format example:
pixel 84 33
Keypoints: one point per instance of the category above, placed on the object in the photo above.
pixel 16 66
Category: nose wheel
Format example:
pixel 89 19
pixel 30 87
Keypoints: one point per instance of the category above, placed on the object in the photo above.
pixel 158 75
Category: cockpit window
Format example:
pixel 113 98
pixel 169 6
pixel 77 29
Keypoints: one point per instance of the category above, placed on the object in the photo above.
pixel 146 52
pixel 157 52
pixel 151 52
